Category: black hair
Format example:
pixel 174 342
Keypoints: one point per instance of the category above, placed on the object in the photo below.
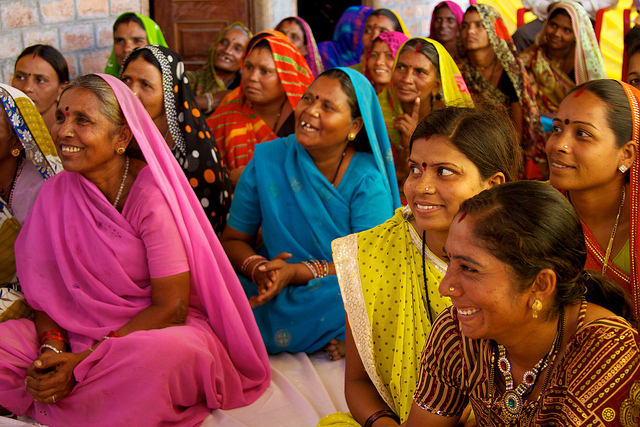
pixel 391 16
pixel 485 137
pixel 530 226
pixel 125 18
pixel 298 23
pixel 141 52
pixel 425 48
pixel 53 58
pixel 258 41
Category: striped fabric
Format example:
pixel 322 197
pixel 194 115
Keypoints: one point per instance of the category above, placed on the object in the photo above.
pixel 236 127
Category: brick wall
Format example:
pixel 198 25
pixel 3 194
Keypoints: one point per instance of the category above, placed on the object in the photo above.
pixel 80 29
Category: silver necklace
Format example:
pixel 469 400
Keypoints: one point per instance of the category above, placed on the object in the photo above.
pixel 124 179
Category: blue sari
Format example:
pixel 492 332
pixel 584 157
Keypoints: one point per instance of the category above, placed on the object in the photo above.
pixel 300 212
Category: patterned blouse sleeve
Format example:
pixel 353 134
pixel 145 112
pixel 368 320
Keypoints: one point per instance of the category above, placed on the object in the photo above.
pixel 441 389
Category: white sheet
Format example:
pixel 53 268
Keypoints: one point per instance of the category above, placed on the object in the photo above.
pixel 303 389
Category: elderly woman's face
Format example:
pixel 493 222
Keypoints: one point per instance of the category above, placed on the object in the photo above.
pixel 85 138
pixel 445 26
pixel 228 52
pixel 480 287
pixel 582 149
pixel 145 80
pixel 414 76
pixel 127 37
pixel 38 80
pixel 260 79
pixel 295 35
pixel 323 116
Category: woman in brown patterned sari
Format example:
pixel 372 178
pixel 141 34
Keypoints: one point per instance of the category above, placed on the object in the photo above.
pixel 532 338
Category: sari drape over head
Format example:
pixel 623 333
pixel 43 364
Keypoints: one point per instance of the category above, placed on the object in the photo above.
pixel 154 36
pixel 377 291
pixel 235 126
pixel 300 212
pixel 206 80
pixel 553 83
pixel 454 90
pixel 346 46
pixel 453 7
pixel 194 146
pixel 93 276
pixel 533 141
pixel 40 162
pixel 393 39
pixel 314 61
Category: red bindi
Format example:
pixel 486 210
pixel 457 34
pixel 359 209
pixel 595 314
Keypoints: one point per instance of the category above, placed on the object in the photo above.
pixel 566 122
pixel 579 92
pixel 424 166
pixel 462 216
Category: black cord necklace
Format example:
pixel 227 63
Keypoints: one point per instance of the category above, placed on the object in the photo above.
pixel 424 275
pixel 333 181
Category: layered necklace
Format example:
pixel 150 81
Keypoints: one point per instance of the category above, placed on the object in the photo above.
pixel 512 401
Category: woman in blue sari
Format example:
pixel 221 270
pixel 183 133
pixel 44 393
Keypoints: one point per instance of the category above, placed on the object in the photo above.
pixel 329 179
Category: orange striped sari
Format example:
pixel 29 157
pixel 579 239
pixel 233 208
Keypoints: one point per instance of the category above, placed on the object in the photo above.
pixel 236 127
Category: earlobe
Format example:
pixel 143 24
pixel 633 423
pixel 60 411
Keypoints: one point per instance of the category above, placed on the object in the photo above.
pixel 125 135
pixel 496 178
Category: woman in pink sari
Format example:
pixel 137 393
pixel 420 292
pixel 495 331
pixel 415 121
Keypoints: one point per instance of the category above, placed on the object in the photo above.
pixel 140 319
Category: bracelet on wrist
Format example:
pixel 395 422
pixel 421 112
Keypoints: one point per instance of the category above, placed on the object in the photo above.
pixel 248 261
pixel 50 347
pixel 382 413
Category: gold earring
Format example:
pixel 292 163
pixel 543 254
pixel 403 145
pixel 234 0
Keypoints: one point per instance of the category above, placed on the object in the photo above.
pixel 536 307
pixel 15 152
pixel 120 150
pixel 351 136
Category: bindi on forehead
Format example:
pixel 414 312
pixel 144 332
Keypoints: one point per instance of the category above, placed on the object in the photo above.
pixel 424 166
pixel 567 121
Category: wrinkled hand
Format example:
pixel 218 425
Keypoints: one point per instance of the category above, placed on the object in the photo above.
pixel 271 278
pixel 50 377
pixel 406 123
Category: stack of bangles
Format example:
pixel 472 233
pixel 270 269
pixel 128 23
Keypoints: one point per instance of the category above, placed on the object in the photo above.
pixel 380 414
pixel 52 335
pixel 317 268
pixel 245 266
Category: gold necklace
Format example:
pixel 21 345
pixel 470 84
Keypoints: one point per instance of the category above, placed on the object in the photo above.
pixel 613 235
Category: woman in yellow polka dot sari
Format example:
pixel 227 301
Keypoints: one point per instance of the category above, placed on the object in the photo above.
pixel 389 275
pixel 156 75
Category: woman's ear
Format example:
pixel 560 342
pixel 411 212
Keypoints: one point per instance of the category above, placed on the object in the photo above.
pixel 124 135
pixel 495 179
pixel 357 125
pixel 628 153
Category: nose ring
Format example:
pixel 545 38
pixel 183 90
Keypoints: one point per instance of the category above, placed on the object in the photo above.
pixel 426 188
pixel 69 134
pixel 451 289
pixel 316 115
pixel 566 147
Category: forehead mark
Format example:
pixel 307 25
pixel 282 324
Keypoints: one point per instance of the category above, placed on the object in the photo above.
pixel 424 166
pixel 462 216
pixel 66 108
pixel 567 121
pixel 579 92
pixel 34 55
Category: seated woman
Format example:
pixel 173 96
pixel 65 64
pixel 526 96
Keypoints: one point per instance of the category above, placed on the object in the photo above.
pixel 455 154
pixel 27 158
pixel 425 78
pixel 380 58
pixel 345 48
pixel 135 300
pixel 155 74
pixel 593 158
pixel 495 75
pixel 299 33
pixel 221 74
pixel 378 22
pixel 445 25
pixel 274 78
pixel 332 178
pixel 41 72
pixel 565 53
pixel 131 30
pixel 516 271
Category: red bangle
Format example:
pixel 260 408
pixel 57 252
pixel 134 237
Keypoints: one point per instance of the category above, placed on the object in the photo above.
pixel 53 337
pixel 382 413
pixel 47 335
pixel 113 334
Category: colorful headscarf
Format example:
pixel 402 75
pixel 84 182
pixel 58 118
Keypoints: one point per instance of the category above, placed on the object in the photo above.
pixel 454 90
pixel 39 150
pixel 533 141
pixel 553 82
pixel 313 56
pixel 453 7
pixel 194 146
pixel 154 36
pixel 393 39
pixel 346 46
pixel 236 127
pixel 206 79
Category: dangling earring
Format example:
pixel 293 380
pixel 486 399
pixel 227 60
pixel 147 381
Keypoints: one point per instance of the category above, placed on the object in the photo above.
pixel 536 307
pixel 15 152
pixel 623 168
pixel 120 150
pixel 351 136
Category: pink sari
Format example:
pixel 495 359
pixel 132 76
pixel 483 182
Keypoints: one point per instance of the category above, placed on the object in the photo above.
pixel 85 265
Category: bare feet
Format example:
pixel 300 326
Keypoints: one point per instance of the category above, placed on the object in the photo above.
pixel 335 349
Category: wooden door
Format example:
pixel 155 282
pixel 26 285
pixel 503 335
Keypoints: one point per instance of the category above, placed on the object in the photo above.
pixel 189 26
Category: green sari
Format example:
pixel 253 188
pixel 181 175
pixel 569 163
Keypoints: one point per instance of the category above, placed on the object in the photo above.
pixel 384 293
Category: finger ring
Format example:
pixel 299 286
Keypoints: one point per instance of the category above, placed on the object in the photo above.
pixel 53 399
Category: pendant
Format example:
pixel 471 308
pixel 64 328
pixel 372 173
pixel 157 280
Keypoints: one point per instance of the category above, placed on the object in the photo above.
pixel 512 403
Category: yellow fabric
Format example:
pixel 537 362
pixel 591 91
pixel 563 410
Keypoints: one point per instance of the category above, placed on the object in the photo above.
pixel 389 277
pixel 623 259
